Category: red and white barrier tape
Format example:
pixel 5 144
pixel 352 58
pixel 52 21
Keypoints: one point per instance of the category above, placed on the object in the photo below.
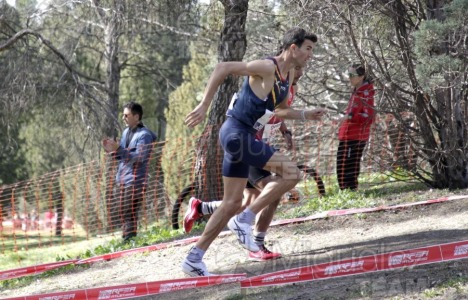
pixel 20 272
pixel 360 265
pixel 348 267
pixel 352 211
pixel 138 289
pixel 9 274
pixel 119 254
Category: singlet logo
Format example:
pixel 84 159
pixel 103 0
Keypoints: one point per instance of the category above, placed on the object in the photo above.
pixel 279 84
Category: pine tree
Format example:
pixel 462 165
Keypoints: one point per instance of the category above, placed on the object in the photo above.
pixel 179 154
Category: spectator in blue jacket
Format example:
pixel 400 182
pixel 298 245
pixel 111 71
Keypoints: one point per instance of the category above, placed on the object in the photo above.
pixel 133 154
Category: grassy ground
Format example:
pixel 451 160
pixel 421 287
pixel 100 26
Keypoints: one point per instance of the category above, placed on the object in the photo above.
pixel 371 194
pixel 20 250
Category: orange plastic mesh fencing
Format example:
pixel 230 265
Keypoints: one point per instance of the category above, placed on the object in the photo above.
pixel 85 201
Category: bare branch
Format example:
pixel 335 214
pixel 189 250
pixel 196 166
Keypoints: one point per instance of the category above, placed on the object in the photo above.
pixel 10 42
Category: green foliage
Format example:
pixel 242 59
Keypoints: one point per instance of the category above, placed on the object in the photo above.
pixel 390 193
pixel 181 140
pixel 12 162
pixel 433 68
pixel 340 200
pixel 155 68
pixel 156 234
pixel 457 10
pixel 152 51
pixel 46 142
pixel 262 19
pixel 437 44
pixel 15 83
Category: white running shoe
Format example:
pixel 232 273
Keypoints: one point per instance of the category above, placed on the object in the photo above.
pixel 195 269
pixel 243 231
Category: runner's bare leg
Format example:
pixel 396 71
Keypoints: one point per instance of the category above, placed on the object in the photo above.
pixel 232 201
pixel 265 217
pixel 290 175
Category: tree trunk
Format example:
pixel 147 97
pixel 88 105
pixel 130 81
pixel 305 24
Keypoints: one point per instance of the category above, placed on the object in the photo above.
pixel 440 117
pixel 232 46
pixel 422 105
pixel 450 169
pixel 112 20
pixel 58 199
pixel 113 76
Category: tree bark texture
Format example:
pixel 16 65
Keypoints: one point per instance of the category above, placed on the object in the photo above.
pixel 440 115
pixel 112 20
pixel 450 171
pixel 232 46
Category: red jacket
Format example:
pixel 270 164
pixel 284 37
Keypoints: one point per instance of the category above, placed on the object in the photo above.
pixel 361 115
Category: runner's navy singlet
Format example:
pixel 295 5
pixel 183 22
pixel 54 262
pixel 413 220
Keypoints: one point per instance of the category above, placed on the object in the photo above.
pixel 249 109
pixel 246 115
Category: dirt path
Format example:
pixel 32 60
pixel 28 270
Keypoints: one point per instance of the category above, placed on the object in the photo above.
pixel 302 244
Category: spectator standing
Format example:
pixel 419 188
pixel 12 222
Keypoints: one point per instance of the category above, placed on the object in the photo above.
pixel 133 154
pixel 355 126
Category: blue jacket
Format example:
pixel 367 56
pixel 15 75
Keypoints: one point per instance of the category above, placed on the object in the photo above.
pixel 133 161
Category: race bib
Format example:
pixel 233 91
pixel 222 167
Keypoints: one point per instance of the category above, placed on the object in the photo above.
pixel 269 131
pixel 260 123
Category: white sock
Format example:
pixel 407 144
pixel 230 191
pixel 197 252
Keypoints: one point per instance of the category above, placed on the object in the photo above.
pixel 259 238
pixel 195 255
pixel 247 216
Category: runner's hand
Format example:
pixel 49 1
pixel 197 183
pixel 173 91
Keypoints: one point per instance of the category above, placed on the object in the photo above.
pixel 289 141
pixel 315 114
pixel 196 116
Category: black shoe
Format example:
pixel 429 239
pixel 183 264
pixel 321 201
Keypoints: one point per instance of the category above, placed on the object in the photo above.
pixel 129 236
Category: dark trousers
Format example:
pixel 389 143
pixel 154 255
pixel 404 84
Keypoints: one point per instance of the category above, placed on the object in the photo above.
pixel 127 202
pixel 348 163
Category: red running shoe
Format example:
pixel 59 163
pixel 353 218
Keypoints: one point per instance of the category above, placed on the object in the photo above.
pixel 263 254
pixel 191 215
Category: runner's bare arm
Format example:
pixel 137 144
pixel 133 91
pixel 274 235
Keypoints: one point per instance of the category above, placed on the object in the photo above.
pixel 295 88
pixel 285 112
pixel 258 68
pixel 287 135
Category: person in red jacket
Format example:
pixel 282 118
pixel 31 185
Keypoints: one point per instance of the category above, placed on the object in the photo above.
pixel 355 127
